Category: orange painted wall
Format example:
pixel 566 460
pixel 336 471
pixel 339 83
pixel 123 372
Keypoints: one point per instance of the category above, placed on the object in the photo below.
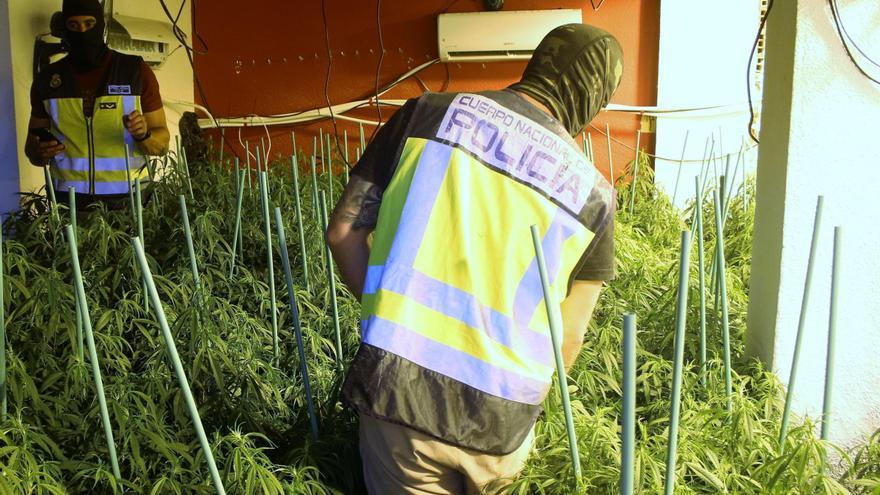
pixel 269 57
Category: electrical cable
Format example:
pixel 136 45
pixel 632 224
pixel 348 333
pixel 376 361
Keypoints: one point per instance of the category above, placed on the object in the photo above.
pixel 835 11
pixel 181 37
pixel 327 84
pixel 661 158
pixel 422 84
pixel 844 36
pixel 447 81
pixel 749 75
pixel 245 148
pixel 379 64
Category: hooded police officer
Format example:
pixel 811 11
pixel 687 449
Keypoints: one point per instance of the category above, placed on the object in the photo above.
pixel 90 108
pixel 456 357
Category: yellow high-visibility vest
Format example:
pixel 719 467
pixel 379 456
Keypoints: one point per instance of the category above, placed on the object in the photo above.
pixel 94 156
pixel 452 285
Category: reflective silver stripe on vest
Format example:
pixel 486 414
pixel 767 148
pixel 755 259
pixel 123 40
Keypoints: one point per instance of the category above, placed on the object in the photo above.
pixel 53 112
pixel 101 164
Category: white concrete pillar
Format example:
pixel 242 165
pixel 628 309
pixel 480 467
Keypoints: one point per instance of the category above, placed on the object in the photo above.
pixel 819 137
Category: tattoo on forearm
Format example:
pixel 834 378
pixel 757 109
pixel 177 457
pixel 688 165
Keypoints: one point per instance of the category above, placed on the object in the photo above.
pixel 359 204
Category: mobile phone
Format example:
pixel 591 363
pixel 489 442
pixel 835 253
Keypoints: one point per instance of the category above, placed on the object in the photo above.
pixel 44 134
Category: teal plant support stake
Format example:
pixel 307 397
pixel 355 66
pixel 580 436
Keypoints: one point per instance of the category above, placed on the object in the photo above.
pixel 345 142
pixel 678 361
pixel 247 156
pixel 704 170
pixel 745 193
pixel 222 144
pixel 259 159
pixel 139 208
pixel 331 280
pixel 628 430
pixel 584 144
pixel 267 231
pixel 171 347
pixel 702 276
pixel 713 268
pixel 299 224
pixel 315 208
pixel 632 187
pixel 555 321
pixel 189 183
pixel 329 169
pixel 93 353
pixel 130 189
pixel 680 164
pixel 792 379
pixel 50 187
pixel 363 139
pixel 724 189
pixel 236 234
pixel 323 155
pixel 703 161
pixel 719 234
pixel 193 263
pixel 725 322
pixel 237 170
pixel 71 196
pixel 610 161
pixel 297 330
pixel 739 157
pixel 590 147
pixel 3 403
pixel 832 335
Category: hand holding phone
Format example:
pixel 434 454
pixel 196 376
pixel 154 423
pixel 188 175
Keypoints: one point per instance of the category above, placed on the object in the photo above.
pixel 42 146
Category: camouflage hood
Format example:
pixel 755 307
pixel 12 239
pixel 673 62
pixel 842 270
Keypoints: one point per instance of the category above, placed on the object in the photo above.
pixel 574 71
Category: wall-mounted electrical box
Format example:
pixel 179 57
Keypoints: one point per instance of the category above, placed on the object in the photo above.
pixel 495 36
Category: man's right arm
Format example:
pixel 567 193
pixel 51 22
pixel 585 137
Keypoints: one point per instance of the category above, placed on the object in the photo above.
pixel 40 152
pixel 353 219
pixel 577 310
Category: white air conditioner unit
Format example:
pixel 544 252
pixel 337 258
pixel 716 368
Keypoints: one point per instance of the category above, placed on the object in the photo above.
pixel 148 38
pixel 501 35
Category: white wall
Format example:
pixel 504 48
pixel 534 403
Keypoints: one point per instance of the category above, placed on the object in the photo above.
pixel 8 143
pixel 704 50
pixel 819 137
pixel 30 18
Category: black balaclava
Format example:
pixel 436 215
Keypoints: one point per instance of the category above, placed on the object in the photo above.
pixel 87 49
pixel 573 72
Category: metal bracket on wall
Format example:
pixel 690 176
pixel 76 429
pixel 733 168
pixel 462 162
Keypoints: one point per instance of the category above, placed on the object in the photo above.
pixel 647 124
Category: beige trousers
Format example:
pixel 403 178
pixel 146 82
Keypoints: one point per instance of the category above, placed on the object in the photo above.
pixel 399 460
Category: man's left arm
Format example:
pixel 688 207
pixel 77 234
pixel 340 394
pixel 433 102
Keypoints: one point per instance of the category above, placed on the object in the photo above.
pixel 150 130
pixel 149 127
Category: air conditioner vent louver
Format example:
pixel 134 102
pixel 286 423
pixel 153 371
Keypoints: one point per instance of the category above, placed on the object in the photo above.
pixel 494 36
pixel 485 55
